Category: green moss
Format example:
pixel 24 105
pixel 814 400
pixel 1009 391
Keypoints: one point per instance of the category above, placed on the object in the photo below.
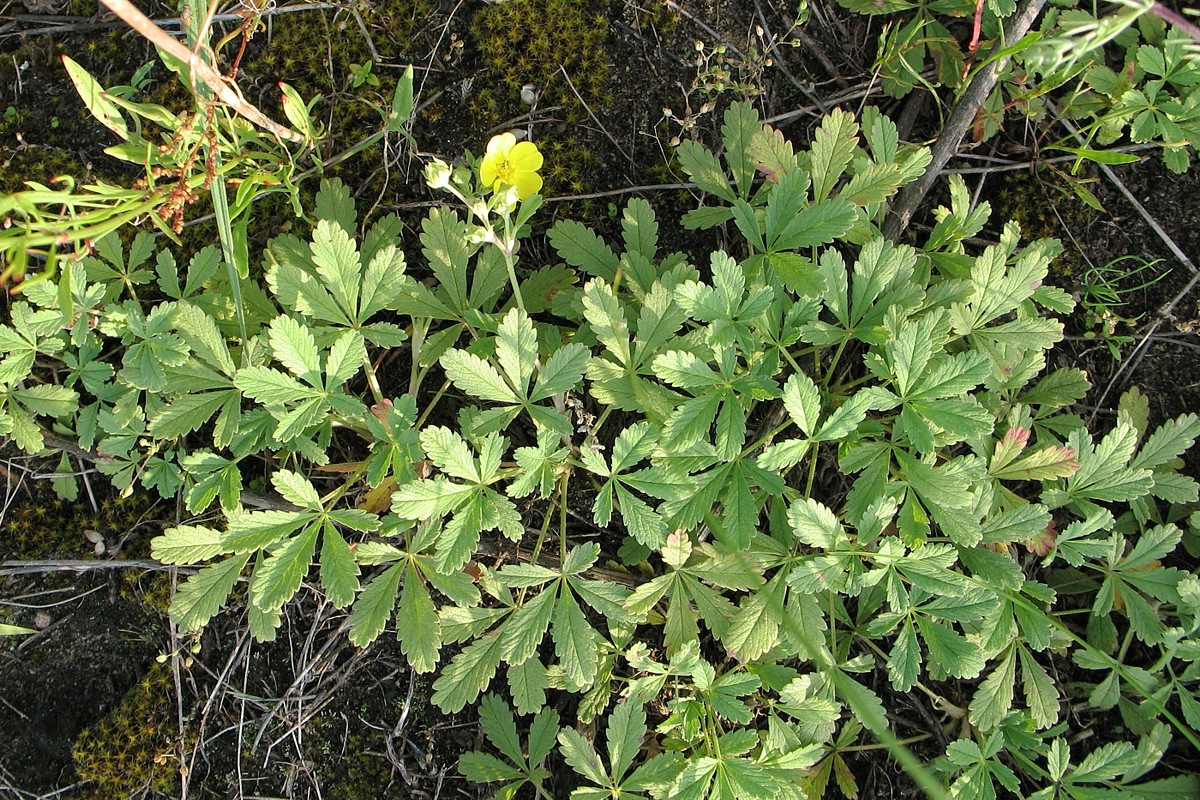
pixel 40 525
pixel 535 42
pixel 400 24
pixel 358 770
pixel 1045 208
pixel 131 749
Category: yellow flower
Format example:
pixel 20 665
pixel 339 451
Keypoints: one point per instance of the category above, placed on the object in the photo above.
pixel 511 163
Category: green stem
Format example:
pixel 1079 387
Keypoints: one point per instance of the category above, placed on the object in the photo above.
pixel 372 379
pixel 420 329
pixel 433 403
pixel 562 518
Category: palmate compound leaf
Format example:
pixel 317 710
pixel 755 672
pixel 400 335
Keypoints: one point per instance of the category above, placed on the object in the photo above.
pixel 475 506
pixel 516 352
pixel 623 740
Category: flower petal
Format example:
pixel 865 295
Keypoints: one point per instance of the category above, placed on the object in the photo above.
pixel 528 183
pixel 526 157
pixel 500 144
pixel 487 169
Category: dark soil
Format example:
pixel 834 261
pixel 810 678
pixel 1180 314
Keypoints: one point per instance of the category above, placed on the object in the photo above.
pixel 307 715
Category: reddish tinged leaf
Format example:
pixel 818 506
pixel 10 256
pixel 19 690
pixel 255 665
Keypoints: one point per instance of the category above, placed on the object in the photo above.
pixel 1044 542
pixel 1045 464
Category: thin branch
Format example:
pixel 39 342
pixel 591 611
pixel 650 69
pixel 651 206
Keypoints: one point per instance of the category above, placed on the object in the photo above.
pixel 960 121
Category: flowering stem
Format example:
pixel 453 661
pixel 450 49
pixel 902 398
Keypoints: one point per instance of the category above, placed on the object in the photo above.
pixel 507 247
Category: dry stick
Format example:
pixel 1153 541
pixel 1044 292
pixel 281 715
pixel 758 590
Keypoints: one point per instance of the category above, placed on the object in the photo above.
pixel 699 23
pixel 960 121
pixel 226 91
pixel 1165 313
pixel 779 61
pixel 860 92
pixel 1006 165
pixel 1173 17
pixel 82 565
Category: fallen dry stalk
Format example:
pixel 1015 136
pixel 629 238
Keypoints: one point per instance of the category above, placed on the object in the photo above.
pixel 225 90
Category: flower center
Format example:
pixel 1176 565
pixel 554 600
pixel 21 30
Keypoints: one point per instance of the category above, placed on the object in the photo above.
pixel 506 172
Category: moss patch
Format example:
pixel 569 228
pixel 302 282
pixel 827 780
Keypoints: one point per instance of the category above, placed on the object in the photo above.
pixel 131 749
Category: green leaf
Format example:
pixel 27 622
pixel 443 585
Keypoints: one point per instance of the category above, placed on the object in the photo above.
pixel 574 641
pixel 626 730
pixel 693 782
pixel 97 100
pixel 1040 693
pixel 580 247
pixel 818 224
pixel 485 768
pixel 468 674
pixel 296 489
pixel 374 606
pixel 517 348
pixel 279 577
pixel 186 544
pixel 188 414
pixel 582 757
pixel 293 346
pixel 994 696
pixel 740 123
pixel 477 377
pixel 543 732
pixel 444 244
pixel 1105 763
pixel 704 169
pixel 875 184
pixel 833 147
pixel 201 334
pixel 802 400
pixel 345 359
pixel 500 727
pixel 339 571
pixel 561 372
pixel 528 684
pixel 255 530
pixel 335 256
pixel 200 597
pixel 816 525
pixel 953 652
pixel 934 485
pixel 271 387
pixel 755 628
pixel 527 626
pixel 904 660
pixel 863 702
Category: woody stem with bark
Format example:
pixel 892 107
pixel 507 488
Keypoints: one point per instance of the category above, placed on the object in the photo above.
pixel 961 118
